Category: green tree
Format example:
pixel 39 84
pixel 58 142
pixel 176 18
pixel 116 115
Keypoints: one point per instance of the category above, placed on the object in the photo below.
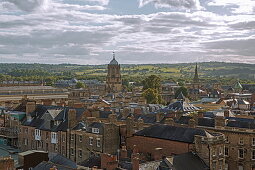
pixel 151 95
pixel 153 82
pixel 79 85
pixel 182 89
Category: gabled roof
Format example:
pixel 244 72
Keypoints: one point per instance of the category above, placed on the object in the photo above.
pixel 174 133
pixel 238 86
pixel 180 96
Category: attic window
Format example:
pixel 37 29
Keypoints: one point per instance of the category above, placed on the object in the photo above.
pixel 95 130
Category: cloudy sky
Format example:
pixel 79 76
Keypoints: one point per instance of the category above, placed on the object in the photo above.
pixel 139 31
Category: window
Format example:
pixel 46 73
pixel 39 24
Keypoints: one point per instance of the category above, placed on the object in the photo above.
pixel 90 140
pixel 253 154
pixel 226 151
pixel 72 136
pixel 47 135
pixel 26 130
pixel 240 167
pixel 71 151
pixel 63 150
pixel 56 147
pixel 80 138
pixel 214 165
pixel 80 153
pixel 63 138
pixel 226 166
pixel 253 142
pixel 220 151
pixel 213 152
pixel 241 142
pixel 241 153
pixel 220 165
pixel 98 143
pixel 95 130
pixel 227 141
pixel 25 142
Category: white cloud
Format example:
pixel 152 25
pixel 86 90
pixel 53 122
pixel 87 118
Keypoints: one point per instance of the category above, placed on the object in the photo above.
pixel 188 4
pixel 236 6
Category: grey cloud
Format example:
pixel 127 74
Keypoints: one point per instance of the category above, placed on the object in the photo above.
pixel 30 5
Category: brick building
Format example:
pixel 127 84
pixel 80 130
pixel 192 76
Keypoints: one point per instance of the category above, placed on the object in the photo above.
pixel 157 141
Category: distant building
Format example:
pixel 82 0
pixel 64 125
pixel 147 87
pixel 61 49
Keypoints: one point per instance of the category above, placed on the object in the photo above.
pixel 113 80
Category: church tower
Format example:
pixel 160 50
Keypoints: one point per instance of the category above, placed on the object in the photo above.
pixel 113 80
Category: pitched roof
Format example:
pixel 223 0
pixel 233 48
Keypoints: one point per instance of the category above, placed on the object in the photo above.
pixel 167 132
pixel 192 161
pixel 91 162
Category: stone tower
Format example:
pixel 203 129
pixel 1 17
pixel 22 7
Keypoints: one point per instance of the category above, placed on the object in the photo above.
pixel 113 80
pixel 211 149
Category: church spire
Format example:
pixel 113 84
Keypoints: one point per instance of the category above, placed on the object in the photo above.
pixel 196 79
pixel 113 54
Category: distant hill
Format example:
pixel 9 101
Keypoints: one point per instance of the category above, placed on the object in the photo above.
pixel 184 70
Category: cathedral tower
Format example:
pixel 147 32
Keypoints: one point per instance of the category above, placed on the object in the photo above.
pixel 113 80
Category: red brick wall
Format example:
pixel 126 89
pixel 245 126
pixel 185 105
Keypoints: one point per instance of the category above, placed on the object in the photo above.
pixel 148 145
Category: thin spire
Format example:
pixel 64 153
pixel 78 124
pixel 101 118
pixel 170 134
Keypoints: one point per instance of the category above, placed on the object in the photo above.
pixel 196 79
pixel 113 53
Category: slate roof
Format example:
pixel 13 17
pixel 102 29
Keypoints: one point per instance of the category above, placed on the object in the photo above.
pixel 80 126
pixel 241 122
pixel 59 161
pixel 189 161
pixel 181 134
pixel 180 96
pixel 98 125
pixel 147 118
pixel 184 119
pixel 181 106
pixel 208 122
pixel 43 117
pixel 91 162
pixel 47 165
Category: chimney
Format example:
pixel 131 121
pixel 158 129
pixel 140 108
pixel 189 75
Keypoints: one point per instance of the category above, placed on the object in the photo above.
pixel 226 113
pixel 159 117
pixel 135 163
pixel 123 152
pixel 109 162
pixel 30 106
pixel 169 121
pixel 112 117
pixel 192 123
pixel 200 114
pixel 158 154
pixel 71 118
pixel 140 124
pixel 219 121
pixel 135 158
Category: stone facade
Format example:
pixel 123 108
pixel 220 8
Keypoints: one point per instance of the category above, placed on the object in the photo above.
pixel 113 80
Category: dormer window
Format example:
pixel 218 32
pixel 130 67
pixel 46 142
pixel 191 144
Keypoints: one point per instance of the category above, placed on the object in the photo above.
pixel 95 130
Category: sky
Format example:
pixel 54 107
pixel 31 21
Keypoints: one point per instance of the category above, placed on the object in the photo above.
pixel 139 31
